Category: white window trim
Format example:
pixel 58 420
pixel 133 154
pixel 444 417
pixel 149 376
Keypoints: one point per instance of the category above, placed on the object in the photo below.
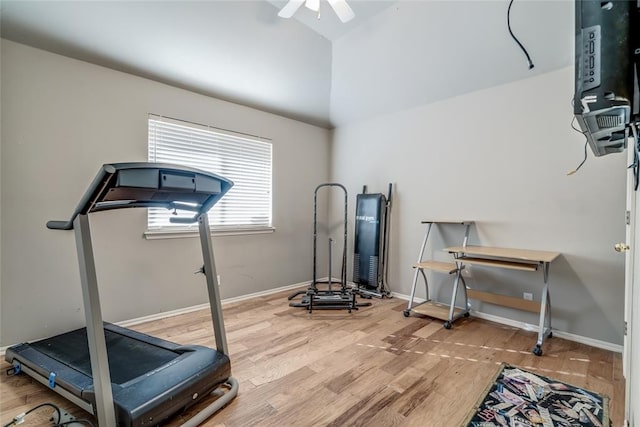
pixel 182 234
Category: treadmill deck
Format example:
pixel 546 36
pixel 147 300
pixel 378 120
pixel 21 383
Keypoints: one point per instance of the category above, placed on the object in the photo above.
pixel 151 379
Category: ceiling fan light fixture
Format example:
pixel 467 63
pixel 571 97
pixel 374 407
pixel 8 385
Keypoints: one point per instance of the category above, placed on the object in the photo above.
pixel 313 5
pixel 290 8
pixel 340 7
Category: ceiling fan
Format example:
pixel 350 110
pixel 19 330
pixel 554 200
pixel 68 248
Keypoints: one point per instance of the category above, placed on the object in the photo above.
pixel 340 7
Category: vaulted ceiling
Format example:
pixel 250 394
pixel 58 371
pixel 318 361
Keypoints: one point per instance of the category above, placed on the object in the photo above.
pixel 393 55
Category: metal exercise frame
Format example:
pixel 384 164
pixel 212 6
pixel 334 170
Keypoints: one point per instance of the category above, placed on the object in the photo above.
pixel 345 297
pixel 343 268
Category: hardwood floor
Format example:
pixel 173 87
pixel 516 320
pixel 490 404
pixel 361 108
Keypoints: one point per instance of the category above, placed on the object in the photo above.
pixel 373 367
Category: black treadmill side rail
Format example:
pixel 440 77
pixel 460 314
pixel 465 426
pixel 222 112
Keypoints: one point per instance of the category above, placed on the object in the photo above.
pixel 149 185
pixel 137 400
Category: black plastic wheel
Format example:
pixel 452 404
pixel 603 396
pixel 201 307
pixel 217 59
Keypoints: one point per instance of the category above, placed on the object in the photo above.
pixel 550 334
pixel 467 314
pixel 537 350
pixel 447 325
pixel 406 313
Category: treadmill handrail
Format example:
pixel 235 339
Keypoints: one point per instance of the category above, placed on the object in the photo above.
pixel 93 200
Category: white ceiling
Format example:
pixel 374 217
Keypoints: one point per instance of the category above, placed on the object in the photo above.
pixel 394 55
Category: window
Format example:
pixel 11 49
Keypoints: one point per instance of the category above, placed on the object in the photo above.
pixel 244 159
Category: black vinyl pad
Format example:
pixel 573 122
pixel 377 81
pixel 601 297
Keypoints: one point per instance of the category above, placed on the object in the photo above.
pixel 128 358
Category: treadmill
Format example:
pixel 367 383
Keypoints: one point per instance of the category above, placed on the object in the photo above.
pixel 124 377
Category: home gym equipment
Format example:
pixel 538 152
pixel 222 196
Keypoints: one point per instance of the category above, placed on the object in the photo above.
pixel 123 377
pixel 371 243
pixel 342 298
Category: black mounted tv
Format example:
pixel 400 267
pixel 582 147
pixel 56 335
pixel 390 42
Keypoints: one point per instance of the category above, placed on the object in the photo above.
pixel 606 81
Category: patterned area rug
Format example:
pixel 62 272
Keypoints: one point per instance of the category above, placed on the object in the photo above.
pixel 517 398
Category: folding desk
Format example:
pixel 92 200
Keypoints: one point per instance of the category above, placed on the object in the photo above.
pixel 513 259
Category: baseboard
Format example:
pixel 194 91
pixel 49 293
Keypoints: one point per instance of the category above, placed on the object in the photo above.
pixel 165 314
pixel 497 319
pixel 528 327
pixel 185 310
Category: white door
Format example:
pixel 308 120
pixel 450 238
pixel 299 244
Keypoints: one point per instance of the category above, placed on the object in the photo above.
pixel 632 299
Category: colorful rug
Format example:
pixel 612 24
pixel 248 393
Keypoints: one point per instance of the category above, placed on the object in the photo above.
pixel 518 398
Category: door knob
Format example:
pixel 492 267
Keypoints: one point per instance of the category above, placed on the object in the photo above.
pixel 621 247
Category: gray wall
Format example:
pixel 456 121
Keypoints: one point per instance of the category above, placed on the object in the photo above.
pixel 466 131
pixel 500 156
pixel 1 232
pixel 64 118
pixel 239 51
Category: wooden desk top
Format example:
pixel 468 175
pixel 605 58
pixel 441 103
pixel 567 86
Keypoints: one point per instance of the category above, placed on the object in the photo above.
pixel 509 253
pixel 443 221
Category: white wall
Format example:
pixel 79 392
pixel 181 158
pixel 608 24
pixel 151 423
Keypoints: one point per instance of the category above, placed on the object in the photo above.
pixel 500 156
pixel 417 52
pixel 0 191
pixel 64 118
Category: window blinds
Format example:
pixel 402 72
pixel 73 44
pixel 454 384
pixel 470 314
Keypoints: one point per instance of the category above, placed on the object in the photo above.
pixel 246 160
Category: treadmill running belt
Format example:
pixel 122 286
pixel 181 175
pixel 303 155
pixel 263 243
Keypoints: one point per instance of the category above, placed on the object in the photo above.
pixel 128 358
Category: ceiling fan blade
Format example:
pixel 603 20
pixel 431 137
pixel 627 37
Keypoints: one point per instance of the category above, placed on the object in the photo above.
pixel 342 9
pixel 313 5
pixel 290 8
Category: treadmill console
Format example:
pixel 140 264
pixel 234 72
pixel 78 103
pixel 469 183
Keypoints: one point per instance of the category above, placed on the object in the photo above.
pixel 145 185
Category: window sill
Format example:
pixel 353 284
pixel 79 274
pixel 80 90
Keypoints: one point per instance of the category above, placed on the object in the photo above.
pixel 181 234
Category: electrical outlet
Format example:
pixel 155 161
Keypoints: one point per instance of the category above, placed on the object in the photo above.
pixel 219 283
pixel 528 296
pixel 467 271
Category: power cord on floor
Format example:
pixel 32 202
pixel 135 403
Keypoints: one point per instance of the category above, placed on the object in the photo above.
pixel 19 419
pixel 78 420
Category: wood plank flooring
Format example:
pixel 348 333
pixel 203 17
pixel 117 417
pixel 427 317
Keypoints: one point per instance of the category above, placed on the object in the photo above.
pixel 373 367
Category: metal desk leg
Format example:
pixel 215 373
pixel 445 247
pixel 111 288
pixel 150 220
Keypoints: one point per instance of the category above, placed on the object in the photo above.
pixel 413 293
pixel 544 327
pixel 452 306
pixel 407 312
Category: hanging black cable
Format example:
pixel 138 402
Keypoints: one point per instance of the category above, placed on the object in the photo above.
pixel 585 147
pixel 515 38
pixel 583 161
